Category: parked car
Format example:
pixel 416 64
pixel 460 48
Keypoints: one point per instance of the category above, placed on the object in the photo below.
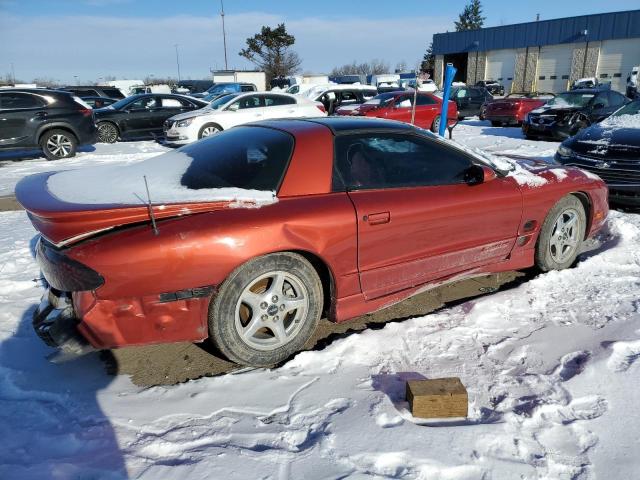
pixel 493 87
pixel 235 109
pixel 333 96
pixel 158 88
pixel 512 109
pixel 191 86
pixel 141 116
pixel 261 230
pixel 95 91
pixel 219 89
pixel 99 102
pixel 610 149
pixel 399 106
pixel 569 112
pixel 56 122
pixel 469 100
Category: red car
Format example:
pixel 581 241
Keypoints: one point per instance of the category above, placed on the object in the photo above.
pixel 252 235
pixel 399 106
pixel 512 109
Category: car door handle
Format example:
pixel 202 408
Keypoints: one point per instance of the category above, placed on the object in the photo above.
pixel 377 218
pixel 291 111
pixel 41 114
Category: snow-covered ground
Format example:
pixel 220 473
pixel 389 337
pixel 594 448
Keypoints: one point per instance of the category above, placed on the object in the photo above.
pixel 550 367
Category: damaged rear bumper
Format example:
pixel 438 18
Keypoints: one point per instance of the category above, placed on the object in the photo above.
pixel 55 322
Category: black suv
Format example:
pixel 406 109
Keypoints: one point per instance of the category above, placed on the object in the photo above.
pixel 95 91
pixel 492 86
pixel 569 112
pixel 50 119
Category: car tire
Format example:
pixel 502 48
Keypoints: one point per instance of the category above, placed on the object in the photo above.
pixel 58 144
pixel 107 132
pixel 435 125
pixel 495 123
pixel 530 137
pixel 561 235
pixel 280 290
pixel 208 129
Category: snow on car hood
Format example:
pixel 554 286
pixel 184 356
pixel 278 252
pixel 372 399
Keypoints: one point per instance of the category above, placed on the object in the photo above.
pixel 124 185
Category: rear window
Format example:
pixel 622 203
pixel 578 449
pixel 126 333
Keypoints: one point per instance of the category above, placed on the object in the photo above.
pixel 113 93
pixel 253 158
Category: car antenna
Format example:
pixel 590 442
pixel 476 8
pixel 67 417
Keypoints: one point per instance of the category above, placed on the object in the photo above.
pixel 150 207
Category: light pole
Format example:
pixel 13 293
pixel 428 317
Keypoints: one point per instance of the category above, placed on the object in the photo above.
pixel 13 74
pixel 76 77
pixel 224 35
pixel 177 61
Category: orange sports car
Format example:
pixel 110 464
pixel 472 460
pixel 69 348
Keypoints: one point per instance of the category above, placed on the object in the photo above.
pixel 247 238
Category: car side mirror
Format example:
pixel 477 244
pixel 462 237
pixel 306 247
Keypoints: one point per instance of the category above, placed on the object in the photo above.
pixel 598 106
pixel 477 174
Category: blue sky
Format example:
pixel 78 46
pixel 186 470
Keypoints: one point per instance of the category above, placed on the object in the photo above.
pixel 89 39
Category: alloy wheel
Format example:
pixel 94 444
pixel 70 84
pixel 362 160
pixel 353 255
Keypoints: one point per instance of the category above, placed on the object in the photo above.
pixel 107 133
pixel 271 310
pixel 206 131
pixel 564 235
pixel 59 145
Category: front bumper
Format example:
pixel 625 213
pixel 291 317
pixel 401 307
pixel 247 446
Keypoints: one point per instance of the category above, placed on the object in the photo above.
pixel 55 322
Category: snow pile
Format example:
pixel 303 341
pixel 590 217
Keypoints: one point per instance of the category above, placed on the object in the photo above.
pixel 109 184
pixel 550 367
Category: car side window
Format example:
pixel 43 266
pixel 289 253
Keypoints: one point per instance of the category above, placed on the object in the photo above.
pixel 144 103
pixel 601 99
pixel 404 101
pixel 17 100
pixel 251 101
pixel 425 100
pixel 462 93
pixel 247 88
pixel 388 160
pixel 476 93
pixel 615 99
pixel 277 100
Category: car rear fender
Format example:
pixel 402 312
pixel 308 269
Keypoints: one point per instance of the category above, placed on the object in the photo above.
pixel 57 125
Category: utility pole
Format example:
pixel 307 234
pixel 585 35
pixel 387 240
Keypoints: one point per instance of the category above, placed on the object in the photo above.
pixel 224 35
pixel 177 61
pixel 13 74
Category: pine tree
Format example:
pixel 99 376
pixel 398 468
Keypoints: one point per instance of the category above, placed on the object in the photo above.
pixel 428 61
pixel 471 18
pixel 269 51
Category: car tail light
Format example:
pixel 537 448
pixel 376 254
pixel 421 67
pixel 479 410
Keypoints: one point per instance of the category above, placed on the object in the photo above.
pixel 87 112
pixel 321 107
pixel 64 273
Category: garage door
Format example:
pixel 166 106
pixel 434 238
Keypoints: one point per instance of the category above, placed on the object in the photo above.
pixel 554 67
pixel 616 59
pixel 501 65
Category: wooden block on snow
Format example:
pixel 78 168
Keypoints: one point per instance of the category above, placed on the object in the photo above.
pixel 437 398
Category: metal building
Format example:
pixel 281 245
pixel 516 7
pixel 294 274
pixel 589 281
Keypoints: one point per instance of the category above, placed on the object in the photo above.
pixel 545 55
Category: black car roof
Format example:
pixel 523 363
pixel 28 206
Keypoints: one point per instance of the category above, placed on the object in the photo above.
pixel 340 125
pixel 39 91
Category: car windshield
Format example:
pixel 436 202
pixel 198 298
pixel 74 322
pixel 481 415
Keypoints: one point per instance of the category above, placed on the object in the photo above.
pixel 632 108
pixel 123 103
pixel 223 100
pixel 221 88
pixel 382 99
pixel 571 99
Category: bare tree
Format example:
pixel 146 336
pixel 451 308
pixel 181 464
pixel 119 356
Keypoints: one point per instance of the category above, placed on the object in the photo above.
pixel 373 67
pixel 46 82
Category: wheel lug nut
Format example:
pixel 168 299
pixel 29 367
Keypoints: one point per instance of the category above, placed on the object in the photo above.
pixel 265 317
pixel 274 299
pixel 263 305
pixel 282 307
pixel 276 318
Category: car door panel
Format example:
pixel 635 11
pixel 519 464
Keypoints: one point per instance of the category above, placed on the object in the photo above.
pixel 410 236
